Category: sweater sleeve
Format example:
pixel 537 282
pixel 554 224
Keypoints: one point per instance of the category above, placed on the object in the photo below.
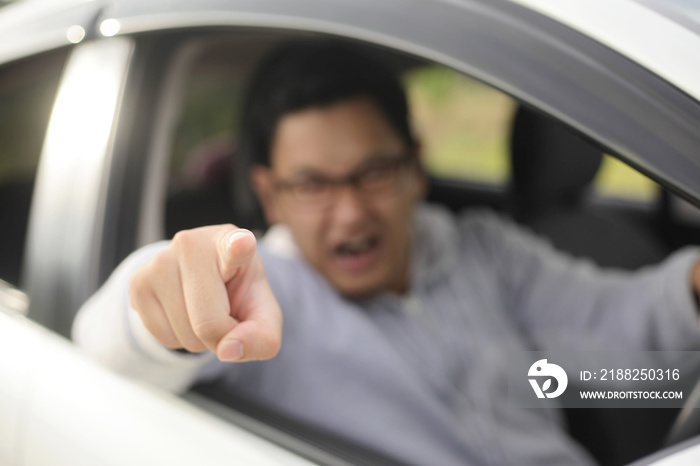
pixel 564 302
pixel 110 330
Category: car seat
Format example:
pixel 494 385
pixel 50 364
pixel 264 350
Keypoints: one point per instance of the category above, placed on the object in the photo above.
pixel 552 172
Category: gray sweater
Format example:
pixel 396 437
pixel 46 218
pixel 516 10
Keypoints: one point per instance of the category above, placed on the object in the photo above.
pixel 423 377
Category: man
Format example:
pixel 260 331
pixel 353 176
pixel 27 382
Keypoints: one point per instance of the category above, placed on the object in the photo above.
pixel 399 318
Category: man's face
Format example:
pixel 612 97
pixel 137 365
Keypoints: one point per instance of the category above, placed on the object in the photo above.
pixel 346 184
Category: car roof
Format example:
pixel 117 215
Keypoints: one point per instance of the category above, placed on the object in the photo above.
pixel 662 43
pixel 656 41
pixel 34 26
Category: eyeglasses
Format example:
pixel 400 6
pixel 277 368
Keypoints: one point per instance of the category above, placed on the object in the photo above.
pixel 379 177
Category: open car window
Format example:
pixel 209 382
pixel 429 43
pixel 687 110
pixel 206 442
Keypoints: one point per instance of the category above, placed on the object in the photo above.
pixel 463 125
pixel 466 128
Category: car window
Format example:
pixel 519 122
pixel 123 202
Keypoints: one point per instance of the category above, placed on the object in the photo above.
pixel 27 92
pixel 463 125
pixel 208 117
pixel 203 141
pixel 617 180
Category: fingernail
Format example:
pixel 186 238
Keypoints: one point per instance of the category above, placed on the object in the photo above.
pixel 231 350
pixel 237 234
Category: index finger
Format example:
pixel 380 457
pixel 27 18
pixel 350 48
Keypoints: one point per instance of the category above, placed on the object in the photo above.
pixel 259 333
pixel 203 285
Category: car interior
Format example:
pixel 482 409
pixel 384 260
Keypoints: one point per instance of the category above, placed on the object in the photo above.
pixel 545 180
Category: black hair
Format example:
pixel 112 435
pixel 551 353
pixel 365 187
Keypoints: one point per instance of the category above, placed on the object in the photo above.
pixel 312 73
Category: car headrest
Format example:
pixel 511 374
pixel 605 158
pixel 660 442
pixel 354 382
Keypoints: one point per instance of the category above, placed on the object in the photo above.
pixel 550 164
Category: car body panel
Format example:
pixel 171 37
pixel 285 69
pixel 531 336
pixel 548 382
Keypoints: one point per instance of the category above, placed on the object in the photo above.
pixel 59 407
pixel 31 27
pixel 686 453
pixel 15 374
pixel 69 200
pixel 599 19
pixel 510 39
pixel 667 52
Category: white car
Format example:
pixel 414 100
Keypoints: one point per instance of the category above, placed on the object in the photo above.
pixel 117 128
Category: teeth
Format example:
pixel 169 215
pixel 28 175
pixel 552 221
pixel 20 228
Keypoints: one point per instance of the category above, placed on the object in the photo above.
pixel 355 246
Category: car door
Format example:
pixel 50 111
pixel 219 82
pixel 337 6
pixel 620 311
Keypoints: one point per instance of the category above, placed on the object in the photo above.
pixel 59 407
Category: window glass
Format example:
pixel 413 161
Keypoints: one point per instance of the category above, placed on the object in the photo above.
pixel 464 127
pixel 463 124
pixel 27 92
pixel 209 114
pixel 618 180
pixel 204 147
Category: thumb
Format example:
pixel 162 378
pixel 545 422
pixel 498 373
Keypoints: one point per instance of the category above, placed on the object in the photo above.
pixel 236 250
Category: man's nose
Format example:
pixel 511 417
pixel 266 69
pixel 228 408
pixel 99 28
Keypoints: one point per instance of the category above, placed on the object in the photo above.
pixel 349 205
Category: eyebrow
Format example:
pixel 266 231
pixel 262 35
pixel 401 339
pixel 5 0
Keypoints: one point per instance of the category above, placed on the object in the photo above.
pixel 308 172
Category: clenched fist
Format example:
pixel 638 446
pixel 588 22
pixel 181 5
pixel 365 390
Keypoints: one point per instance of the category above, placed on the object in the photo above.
pixel 208 290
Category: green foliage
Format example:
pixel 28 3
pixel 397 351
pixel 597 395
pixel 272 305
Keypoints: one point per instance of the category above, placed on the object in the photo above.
pixel 462 123
pixel 464 128
pixel 210 108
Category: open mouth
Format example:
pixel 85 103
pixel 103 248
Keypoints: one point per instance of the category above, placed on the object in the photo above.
pixel 357 246
pixel 357 254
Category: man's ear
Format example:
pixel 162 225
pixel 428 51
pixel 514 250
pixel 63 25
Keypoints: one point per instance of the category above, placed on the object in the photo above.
pixel 262 181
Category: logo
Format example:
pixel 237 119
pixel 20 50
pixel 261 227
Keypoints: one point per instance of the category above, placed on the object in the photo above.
pixel 542 369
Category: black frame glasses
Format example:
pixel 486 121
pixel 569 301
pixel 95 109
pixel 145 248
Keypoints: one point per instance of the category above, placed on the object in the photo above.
pixel 377 177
